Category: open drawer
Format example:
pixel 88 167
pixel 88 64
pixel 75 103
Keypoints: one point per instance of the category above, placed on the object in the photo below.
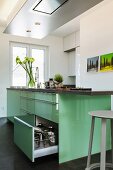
pixel 30 140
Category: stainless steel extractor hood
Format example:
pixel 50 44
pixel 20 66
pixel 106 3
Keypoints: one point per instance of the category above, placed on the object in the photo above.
pixel 32 23
pixel 48 6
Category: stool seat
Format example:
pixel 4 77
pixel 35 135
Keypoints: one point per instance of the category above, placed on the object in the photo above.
pixel 103 115
pixel 108 114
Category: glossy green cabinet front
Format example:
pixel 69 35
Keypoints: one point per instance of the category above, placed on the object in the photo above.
pixel 46 106
pixel 24 138
pixel 72 116
pixel 39 103
pixel 23 133
pixel 27 103
pixel 13 104
pixel 75 123
pixel 22 102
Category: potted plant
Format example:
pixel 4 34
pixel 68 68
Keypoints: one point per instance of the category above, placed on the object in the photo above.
pixel 58 79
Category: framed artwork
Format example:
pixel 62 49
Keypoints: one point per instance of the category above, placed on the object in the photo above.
pixel 92 64
pixel 106 62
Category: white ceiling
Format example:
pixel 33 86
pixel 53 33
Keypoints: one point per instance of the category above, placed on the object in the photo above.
pixel 68 28
pixel 8 9
pixel 74 24
pixel 27 19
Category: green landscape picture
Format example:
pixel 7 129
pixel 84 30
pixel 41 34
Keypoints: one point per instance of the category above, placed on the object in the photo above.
pixel 106 62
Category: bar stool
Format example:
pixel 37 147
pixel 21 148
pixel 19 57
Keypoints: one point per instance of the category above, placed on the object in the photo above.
pixel 104 115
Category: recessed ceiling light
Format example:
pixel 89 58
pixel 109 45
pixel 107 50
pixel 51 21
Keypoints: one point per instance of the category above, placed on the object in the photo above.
pixel 48 6
pixel 28 30
pixel 37 23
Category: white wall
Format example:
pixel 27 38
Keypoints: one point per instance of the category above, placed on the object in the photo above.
pixel 58 61
pixel 96 38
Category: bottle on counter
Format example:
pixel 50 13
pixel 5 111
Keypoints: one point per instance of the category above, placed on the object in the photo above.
pixel 51 83
pixel 37 78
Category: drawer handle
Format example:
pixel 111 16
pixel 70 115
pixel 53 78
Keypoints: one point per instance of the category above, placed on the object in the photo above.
pixel 27 98
pixel 26 111
pixel 45 101
pixel 21 121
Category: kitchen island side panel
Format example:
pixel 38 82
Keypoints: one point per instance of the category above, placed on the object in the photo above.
pixel 75 123
pixel 13 104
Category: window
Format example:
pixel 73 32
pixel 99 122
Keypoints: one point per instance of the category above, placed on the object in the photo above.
pixel 18 74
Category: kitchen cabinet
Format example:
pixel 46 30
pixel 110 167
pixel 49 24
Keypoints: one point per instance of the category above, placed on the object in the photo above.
pixel 27 104
pixel 23 109
pixel 20 102
pixel 71 41
pixel 25 138
pixel 73 120
pixel 77 66
pixel 77 39
pixel 71 45
pixel 71 63
pixel 46 106
pixel 40 104
pixel 74 63
pixel 13 104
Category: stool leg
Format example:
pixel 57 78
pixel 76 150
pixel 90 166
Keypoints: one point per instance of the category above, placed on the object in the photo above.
pixel 103 146
pixel 112 138
pixel 90 143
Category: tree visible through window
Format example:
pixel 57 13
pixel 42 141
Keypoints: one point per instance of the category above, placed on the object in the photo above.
pixel 19 77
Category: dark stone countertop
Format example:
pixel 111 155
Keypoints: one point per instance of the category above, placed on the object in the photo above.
pixel 75 91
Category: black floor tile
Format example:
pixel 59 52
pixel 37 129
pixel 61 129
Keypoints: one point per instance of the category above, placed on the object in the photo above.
pixel 12 158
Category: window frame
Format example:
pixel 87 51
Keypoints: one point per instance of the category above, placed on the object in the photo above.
pixel 29 48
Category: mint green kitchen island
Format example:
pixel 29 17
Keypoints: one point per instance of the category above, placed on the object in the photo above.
pixel 67 108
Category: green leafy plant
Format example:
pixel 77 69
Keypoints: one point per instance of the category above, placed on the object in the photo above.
pixel 27 66
pixel 58 78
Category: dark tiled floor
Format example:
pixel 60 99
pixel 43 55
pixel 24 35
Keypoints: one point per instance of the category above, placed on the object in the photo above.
pixel 11 158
